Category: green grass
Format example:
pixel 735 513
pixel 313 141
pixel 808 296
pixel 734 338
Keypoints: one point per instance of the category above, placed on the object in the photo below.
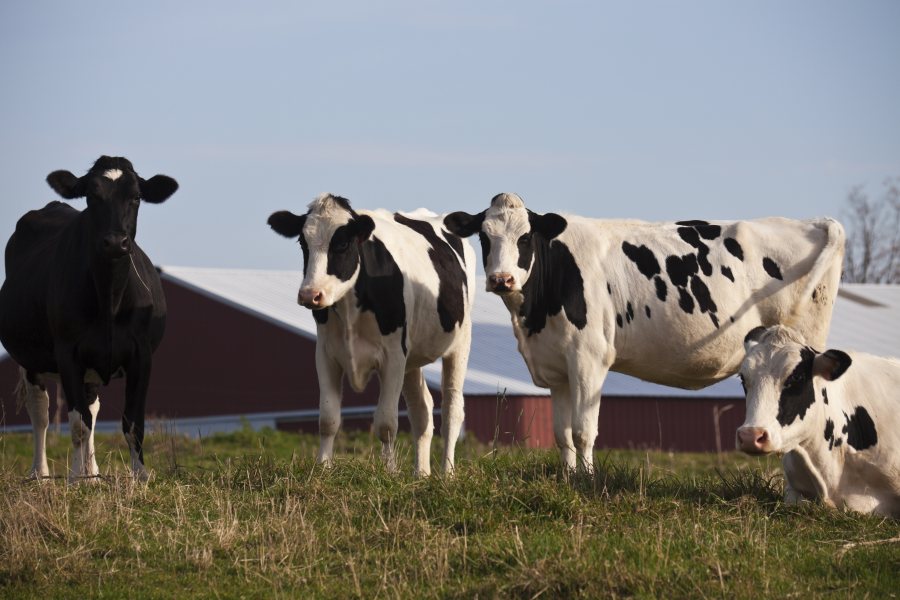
pixel 250 515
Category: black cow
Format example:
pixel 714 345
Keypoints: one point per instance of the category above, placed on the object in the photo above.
pixel 82 302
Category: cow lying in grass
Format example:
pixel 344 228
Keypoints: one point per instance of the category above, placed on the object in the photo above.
pixel 833 414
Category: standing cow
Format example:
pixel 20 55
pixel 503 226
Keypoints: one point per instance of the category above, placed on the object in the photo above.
pixel 669 303
pixel 83 304
pixel 390 293
pixel 833 415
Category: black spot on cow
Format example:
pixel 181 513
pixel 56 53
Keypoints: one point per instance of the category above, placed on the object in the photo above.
pixel 706 231
pixel 320 315
pixel 829 433
pixel 526 250
pixel 685 301
pixel 456 243
pixel 824 395
pixel 681 268
pixel 860 429
pixel 797 393
pixel 609 289
pixel 734 248
pixel 732 319
pixel 451 305
pixel 643 257
pixel 379 287
pixel 727 273
pixel 647 310
pixel 619 320
pixel 715 319
pixel 343 252
pixel 690 235
pixel 485 247
pixel 771 268
pixel 555 285
pixel 701 293
pixel 709 232
pixel 703 260
pixel 629 312
pixel 662 289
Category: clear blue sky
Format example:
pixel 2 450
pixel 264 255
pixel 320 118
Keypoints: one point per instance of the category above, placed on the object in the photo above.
pixel 651 110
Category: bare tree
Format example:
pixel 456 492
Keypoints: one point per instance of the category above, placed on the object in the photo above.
pixel 873 235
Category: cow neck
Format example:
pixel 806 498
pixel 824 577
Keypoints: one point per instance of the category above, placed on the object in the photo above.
pixel 110 278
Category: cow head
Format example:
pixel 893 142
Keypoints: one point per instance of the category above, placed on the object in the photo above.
pixel 331 235
pixel 778 373
pixel 510 235
pixel 114 193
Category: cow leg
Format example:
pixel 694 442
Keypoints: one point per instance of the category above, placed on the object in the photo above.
pixel 37 403
pixel 137 381
pixel 81 419
pixel 330 380
pixel 801 479
pixel 587 413
pixel 453 375
pixel 392 375
pixel 420 406
pixel 561 399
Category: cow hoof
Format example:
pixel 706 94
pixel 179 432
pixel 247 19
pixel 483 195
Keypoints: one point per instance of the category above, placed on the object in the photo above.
pixel 141 475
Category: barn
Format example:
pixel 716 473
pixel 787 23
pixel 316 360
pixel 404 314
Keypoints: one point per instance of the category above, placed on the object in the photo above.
pixel 239 350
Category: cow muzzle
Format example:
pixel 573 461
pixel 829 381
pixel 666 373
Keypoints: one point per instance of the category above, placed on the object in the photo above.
pixel 311 298
pixel 501 283
pixel 754 440
pixel 115 245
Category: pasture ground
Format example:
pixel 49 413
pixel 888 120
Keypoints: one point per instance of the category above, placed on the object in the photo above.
pixel 250 515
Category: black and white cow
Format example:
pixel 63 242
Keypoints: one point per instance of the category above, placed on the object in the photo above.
pixel 834 416
pixel 83 304
pixel 390 293
pixel 666 302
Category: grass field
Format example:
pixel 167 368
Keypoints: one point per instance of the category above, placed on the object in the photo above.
pixel 250 515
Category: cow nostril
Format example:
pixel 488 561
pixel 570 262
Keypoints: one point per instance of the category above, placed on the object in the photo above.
pixel 762 438
pixel 318 298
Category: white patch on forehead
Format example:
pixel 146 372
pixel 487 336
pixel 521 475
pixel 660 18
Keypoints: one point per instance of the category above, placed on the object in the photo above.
pixel 506 216
pixel 112 174
pixel 325 215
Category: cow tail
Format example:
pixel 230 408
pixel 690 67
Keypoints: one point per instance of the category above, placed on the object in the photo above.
pixel 835 240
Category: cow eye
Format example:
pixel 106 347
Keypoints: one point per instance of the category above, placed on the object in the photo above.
pixel 525 239
pixel 341 246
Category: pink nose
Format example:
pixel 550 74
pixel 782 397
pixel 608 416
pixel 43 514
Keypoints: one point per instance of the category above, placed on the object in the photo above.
pixel 753 440
pixel 502 282
pixel 311 298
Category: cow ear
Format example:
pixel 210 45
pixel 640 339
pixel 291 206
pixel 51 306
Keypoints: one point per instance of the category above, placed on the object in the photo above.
pixel 286 223
pixel 363 226
pixel 463 224
pixel 548 225
pixel 831 364
pixel 158 188
pixel 753 336
pixel 65 184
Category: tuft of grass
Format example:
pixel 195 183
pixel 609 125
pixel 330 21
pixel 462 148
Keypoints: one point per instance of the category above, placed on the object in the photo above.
pixel 251 514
